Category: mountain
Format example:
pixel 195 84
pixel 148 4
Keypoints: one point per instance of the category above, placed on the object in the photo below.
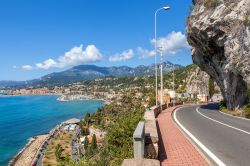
pixel 87 72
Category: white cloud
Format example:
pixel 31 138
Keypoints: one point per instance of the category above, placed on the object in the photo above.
pixel 145 53
pixel 125 55
pixel 172 43
pixel 25 67
pixel 49 63
pixel 75 56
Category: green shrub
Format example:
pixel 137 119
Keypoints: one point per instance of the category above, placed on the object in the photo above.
pixel 245 20
pixel 211 3
pixel 248 93
pixel 246 110
pixel 223 105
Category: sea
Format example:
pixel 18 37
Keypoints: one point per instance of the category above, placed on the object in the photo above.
pixel 22 117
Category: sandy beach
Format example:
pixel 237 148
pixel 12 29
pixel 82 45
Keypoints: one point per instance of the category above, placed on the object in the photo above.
pixel 26 157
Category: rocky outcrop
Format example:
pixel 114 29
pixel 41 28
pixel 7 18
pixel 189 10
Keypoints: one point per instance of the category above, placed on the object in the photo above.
pixel 197 82
pixel 219 34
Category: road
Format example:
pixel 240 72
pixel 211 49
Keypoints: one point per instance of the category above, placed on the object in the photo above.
pixel 226 137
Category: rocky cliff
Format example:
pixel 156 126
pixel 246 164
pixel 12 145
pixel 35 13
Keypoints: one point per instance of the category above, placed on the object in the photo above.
pixel 219 34
pixel 197 82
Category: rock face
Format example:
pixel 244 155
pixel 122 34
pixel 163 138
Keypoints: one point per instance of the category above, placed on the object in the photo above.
pixel 197 82
pixel 219 34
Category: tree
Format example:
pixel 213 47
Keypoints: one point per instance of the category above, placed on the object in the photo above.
pixel 58 152
pixel 151 100
pixel 85 131
pixel 81 124
pixel 86 143
pixel 87 118
pixel 94 142
pixel 211 87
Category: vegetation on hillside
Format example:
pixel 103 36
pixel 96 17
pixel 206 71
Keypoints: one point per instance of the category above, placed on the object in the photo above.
pixel 120 122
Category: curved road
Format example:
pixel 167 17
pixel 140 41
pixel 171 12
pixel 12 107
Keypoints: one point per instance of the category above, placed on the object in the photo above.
pixel 227 137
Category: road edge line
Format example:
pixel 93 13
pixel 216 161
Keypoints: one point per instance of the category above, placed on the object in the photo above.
pixel 234 116
pixel 198 143
pixel 224 124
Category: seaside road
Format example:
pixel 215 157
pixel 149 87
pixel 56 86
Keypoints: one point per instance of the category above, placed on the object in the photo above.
pixel 227 137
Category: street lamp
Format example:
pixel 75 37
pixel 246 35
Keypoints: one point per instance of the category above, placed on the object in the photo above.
pixel 173 86
pixel 156 85
pixel 161 51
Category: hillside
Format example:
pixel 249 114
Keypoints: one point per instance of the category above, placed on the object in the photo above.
pixel 86 72
pixel 188 79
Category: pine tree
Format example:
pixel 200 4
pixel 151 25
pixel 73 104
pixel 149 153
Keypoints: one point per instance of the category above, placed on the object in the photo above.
pixel 94 142
pixel 87 118
pixel 86 143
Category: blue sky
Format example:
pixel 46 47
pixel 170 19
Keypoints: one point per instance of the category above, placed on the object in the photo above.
pixel 44 36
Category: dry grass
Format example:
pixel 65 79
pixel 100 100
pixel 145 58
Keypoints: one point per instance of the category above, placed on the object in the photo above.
pixel 64 139
pixel 234 113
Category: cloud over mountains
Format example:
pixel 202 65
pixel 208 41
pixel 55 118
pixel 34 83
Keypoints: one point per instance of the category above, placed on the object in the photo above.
pixel 125 55
pixel 75 56
pixel 170 44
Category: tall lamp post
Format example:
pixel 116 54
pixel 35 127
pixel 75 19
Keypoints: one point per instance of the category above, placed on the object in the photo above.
pixel 161 51
pixel 173 86
pixel 156 85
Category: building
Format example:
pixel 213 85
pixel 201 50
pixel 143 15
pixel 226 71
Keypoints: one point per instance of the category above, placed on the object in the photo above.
pixel 217 97
pixel 168 96
pixel 202 98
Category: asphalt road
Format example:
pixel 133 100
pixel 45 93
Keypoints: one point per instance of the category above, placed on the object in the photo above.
pixel 228 138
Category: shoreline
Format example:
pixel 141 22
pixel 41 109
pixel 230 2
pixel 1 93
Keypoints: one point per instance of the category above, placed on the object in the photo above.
pixel 48 94
pixel 17 156
pixel 63 98
pixel 59 96
pixel 20 156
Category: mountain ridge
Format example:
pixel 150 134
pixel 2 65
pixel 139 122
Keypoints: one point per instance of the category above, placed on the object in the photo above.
pixel 87 72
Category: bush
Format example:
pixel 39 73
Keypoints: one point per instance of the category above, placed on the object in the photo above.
pixel 246 111
pixel 248 94
pixel 211 3
pixel 245 20
pixel 223 105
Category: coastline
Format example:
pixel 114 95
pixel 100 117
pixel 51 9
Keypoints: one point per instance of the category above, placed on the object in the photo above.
pixel 47 94
pixel 63 98
pixel 28 152
pixel 27 155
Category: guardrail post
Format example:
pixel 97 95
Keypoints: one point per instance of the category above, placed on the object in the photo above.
pixel 139 140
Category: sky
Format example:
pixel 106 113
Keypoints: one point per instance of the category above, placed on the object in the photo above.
pixel 43 36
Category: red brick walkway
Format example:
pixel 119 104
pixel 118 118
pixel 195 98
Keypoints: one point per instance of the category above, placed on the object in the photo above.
pixel 175 148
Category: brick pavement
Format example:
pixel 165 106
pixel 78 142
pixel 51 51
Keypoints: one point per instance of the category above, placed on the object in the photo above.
pixel 175 148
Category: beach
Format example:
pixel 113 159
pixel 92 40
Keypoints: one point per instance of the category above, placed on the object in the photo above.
pixel 27 155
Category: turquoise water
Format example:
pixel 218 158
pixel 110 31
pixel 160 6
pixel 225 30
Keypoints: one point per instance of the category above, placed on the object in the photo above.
pixel 22 117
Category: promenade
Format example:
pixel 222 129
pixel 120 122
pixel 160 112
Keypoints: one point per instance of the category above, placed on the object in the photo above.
pixel 175 147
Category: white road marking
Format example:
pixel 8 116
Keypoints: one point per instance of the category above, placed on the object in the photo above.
pixel 203 147
pixel 235 128
pixel 234 116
